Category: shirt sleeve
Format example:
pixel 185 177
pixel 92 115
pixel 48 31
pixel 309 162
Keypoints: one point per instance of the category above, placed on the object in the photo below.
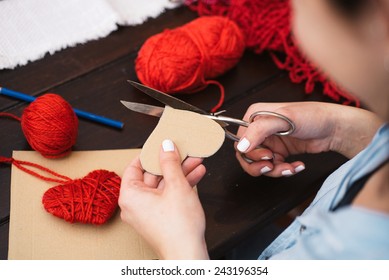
pixel 349 233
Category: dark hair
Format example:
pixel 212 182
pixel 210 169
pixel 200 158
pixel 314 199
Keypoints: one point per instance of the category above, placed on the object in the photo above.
pixel 351 8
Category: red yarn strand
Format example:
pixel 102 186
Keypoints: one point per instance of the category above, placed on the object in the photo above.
pixel 222 95
pixel 57 178
pixel 8 115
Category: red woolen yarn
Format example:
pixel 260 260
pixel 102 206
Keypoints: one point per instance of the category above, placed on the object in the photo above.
pixel 183 60
pixel 50 125
pixel 266 26
pixel 90 200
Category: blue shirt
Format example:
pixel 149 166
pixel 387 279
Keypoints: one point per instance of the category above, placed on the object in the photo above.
pixel 348 233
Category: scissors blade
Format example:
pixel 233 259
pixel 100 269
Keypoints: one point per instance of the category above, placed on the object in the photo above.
pixel 143 108
pixel 173 102
pixel 167 99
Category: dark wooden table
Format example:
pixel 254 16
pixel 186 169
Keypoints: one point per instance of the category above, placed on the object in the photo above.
pixel 93 77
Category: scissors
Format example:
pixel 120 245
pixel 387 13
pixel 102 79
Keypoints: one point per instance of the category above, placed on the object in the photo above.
pixel 176 103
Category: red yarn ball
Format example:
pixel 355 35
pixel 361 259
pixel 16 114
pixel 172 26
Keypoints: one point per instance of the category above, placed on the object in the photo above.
pixel 50 125
pixel 183 59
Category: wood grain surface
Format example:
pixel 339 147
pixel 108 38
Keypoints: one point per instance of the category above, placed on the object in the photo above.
pixel 92 77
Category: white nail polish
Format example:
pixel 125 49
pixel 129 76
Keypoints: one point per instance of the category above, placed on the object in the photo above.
pixel 266 158
pixel 265 169
pixel 286 173
pixel 299 168
pixel 243 145
pixel 168 145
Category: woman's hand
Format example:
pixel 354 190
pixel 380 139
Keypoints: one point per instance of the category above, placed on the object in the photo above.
pixel 320 127
pixel 166 210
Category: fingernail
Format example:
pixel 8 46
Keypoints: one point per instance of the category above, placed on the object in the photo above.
pixel 265 169
pixel 265 158
pixel 243 145
pixel 168 145
pixel 299 168
pixel 286 173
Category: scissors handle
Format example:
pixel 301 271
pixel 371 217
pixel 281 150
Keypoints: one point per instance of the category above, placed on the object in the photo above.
pixel 239 122
pixel 292 126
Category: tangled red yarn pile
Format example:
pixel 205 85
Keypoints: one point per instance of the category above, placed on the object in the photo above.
pixel 266 26
pixel 183 60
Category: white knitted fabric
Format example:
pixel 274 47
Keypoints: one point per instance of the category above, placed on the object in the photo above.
pixel 30 29
pixel 133 12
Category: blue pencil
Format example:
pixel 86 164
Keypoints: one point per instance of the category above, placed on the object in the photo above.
pixel 82 114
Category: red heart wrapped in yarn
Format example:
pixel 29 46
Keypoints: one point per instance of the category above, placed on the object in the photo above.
pixel 50 125
pixel 92 199
pixel 183 60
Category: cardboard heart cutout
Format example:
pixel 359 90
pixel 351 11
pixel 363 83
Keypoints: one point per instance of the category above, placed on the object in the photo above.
pixel 195 135
pixel 90 200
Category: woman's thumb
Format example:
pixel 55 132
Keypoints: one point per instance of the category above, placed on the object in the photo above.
pixel 170 161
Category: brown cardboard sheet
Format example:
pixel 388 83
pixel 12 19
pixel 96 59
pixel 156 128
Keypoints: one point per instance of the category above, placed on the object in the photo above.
pixel 36 234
